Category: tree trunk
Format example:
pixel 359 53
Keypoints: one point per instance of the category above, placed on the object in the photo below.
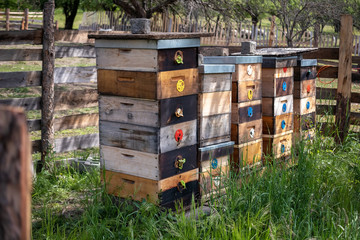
pixel 70 11
pixel 316 34
pixel 47 99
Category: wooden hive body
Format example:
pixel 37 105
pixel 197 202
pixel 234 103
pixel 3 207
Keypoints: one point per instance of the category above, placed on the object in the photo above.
pixel 246 108
pixel 305 99
pixel 148 109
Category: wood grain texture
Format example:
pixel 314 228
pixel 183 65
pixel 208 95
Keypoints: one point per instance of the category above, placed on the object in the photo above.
pixel 167 136
pixel 270 74
pixel 273 125
pixel 127 59
pixel 240 111
pixel 304 122
pixel 214 127
pixel 275 106
pixel 21 37
pixel 174 198
pixel 68 122
pixel 241 89
pixel 85 51
pixel 305 88
pixel 214 103
pixel 188 104
pixel 16 177
pixel 75 75
pixel 272 146
pixel 20 79
pixel 247 154
pixel 129 186
pixel 240 133
pixel 134 137
pixel 343 93
pixel 168 81
pixel 241 73
pixel 304 105
pixel 173 181
pixel 26 103
pixel 279 90
pixel 167 161
pixel 20 54
pixel 304 73
pixel 147 139
pixel 129 110
pixel 76 143
pixel 279 63
pixel 166 59
pixel 136 163
pixel 127 83
pixel 218 82
pixel 65 100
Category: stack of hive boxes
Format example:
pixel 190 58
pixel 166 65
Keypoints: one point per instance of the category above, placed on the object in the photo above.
pixel 214 126
pixel 304 98
pixel 246 116
pixel 278 83
pixel 148 108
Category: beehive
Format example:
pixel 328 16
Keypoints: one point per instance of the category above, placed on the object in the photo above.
pixel 278 104
pixel 148 107
pixel 305 99
pixel 246 107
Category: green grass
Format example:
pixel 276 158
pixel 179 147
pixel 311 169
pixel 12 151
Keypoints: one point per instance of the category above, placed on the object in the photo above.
pixel 316 199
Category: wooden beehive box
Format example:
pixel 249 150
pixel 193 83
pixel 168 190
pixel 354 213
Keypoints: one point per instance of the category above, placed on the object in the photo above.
pixel 214 167
pixel 148 108
pixel 278 145
pixel 304 78
pixel 214 104
pixel 249 153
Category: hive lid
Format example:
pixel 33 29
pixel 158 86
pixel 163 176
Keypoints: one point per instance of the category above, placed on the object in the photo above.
pixel 282 52
pixel 246 59
pixel 216 68
pixel 115 35
pixel 154 40
pixel 220 145
pixel 307 62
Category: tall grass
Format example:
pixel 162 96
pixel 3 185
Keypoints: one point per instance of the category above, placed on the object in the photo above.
pixel 318 198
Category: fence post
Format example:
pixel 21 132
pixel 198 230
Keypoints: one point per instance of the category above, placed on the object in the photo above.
pixel 7 12
pixel 47 100
pixel 26 13
pixel 15 184
pixel 343 96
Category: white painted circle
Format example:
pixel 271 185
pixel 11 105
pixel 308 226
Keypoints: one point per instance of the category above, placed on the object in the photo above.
pixel 252 133
pixel 217 181
pixel 249 70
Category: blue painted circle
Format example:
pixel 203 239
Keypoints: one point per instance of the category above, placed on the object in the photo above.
pixel 309 136
pixel 283 124
pixel 282 148
pixel 250 112
pixel 284 86
pixel 284 107
pixel 307 105
pixel 214 163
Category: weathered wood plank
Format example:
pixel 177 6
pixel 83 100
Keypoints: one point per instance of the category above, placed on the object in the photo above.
pixel 76 143
pixel 305 88
pixel 247 72
pixel 215 82
pixel 277 106
pixel 76 99
pixel 247 153
pixel 74 36
pixel 127 59
pixel 214 127
pixel 330 93
pixel 86 51
pixel 246 132
pixel 68 122
pixel 20 54
pixel 323 53
pixel 20 37
pixel 20 79
pixel 279 146
pixel 244 91
pixel 75 75
pixel 304 105
pixel 26 103
pixel 214 103
pixel 278 124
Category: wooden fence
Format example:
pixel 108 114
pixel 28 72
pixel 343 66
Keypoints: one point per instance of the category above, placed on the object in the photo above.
pixel 20 20
pixel 64 100
pixel 226 34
